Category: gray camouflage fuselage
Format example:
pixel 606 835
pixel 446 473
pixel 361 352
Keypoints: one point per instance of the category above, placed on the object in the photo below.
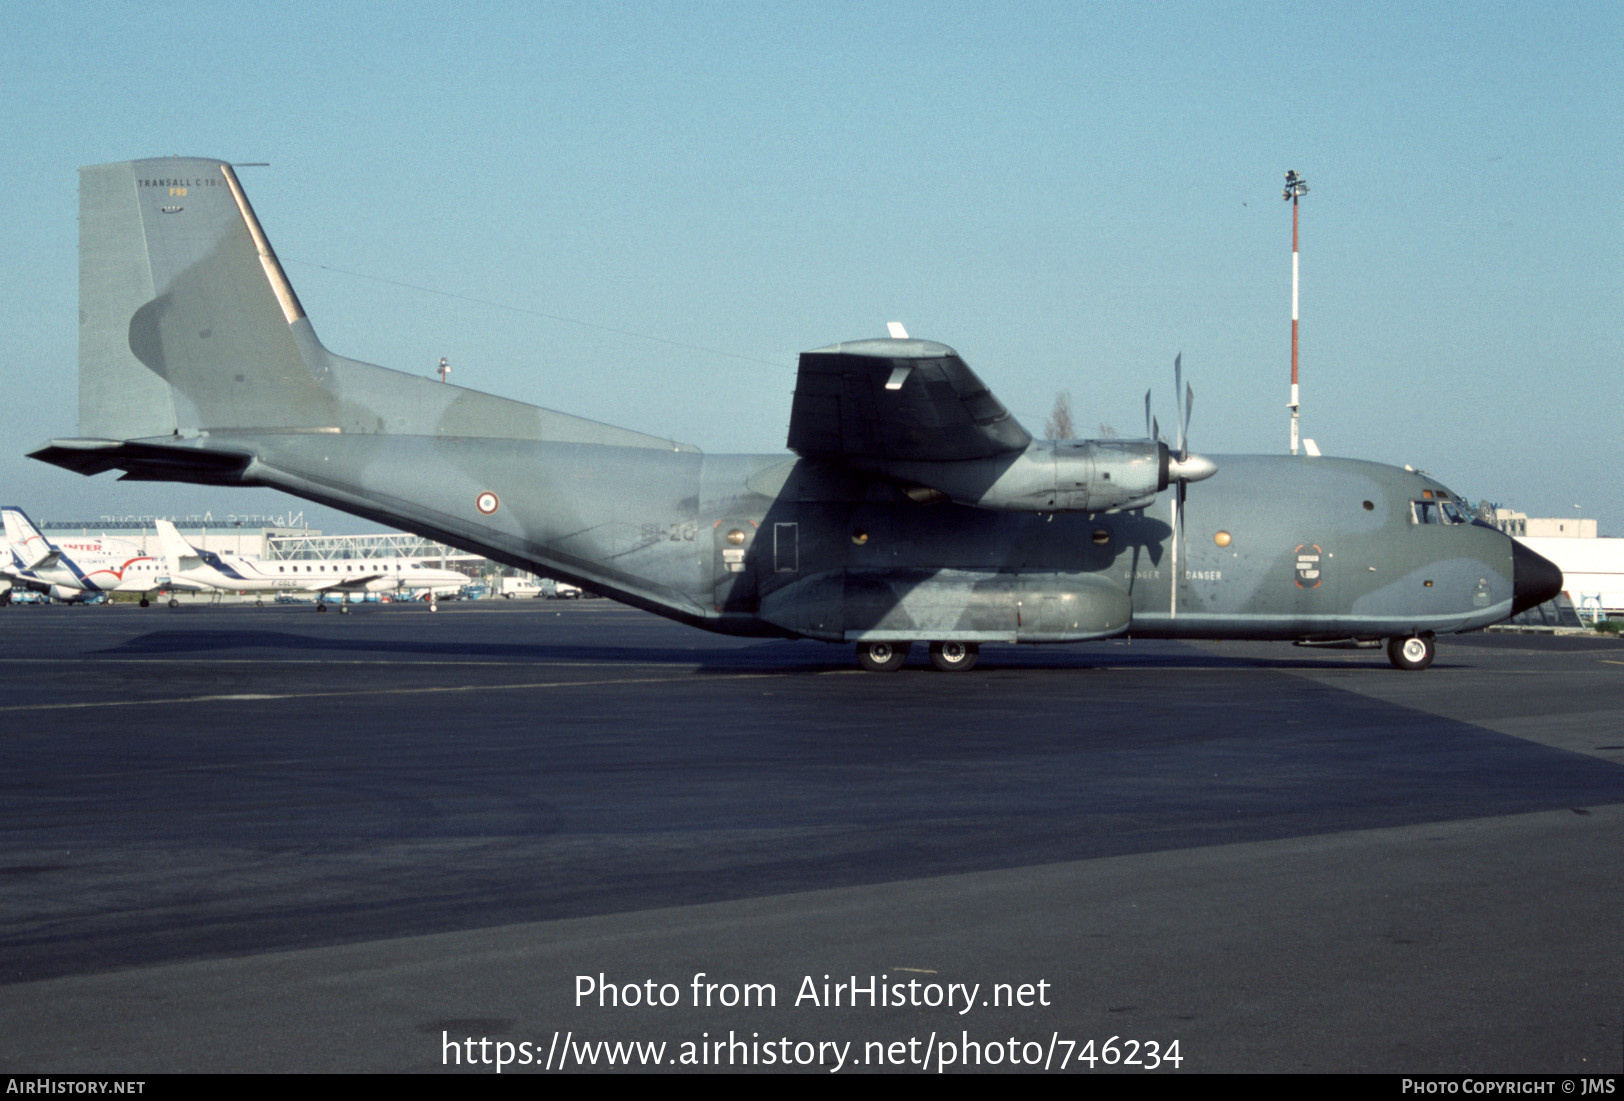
pixel 198 364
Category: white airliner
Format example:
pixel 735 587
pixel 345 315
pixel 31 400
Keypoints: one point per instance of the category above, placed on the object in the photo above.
pixel 245 574
pixel 79 566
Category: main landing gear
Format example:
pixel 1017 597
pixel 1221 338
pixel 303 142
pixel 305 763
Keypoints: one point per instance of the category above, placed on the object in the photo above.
pixel 1412 654
pixel 882 657
pixel 887 657
pixel 954 657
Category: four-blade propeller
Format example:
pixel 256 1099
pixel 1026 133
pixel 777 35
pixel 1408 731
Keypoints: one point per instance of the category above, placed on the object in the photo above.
pixel 1182 467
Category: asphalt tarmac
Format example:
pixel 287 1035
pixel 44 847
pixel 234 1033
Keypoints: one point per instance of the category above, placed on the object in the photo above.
pixel 266 839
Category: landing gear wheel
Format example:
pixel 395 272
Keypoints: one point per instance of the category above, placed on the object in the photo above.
pixel 320 606
pixel 1412 654
pixel 344 609
pixel 951 657
pixel 882 657
pixel 174 603
pixel 259 602
pixel 145 602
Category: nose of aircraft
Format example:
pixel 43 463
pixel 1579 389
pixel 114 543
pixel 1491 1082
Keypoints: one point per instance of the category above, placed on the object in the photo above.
pixel 1534 578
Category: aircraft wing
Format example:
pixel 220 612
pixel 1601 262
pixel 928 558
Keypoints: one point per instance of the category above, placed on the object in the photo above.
pixel 897 400
pixel 357 583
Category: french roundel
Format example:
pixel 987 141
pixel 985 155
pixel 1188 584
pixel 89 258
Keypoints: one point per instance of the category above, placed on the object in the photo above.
pixel 486 502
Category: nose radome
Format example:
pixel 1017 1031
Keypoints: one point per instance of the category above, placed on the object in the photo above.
pixel 1534 578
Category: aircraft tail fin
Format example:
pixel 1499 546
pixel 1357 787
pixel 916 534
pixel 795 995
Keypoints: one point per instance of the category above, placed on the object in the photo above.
pixel 176 547
pixel 31 549
pixel 187 320
pixel 189 325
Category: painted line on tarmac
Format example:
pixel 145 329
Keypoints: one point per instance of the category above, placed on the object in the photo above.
pixel 235 697
pixel 343 661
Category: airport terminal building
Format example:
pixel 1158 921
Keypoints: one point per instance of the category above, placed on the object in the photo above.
pixel 1592 566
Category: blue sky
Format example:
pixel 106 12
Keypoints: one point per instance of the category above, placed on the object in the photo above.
pixel 641 213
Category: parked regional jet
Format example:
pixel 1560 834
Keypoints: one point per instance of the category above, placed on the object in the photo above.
pixel 246 574
pixel 80 566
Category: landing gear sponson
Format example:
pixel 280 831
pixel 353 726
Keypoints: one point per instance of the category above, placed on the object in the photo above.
pixel 886 657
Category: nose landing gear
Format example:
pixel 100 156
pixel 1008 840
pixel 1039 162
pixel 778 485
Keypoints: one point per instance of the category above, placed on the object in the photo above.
pixel 1413 653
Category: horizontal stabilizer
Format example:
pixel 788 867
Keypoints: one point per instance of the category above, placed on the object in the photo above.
pixel 147 462
pixel 915 400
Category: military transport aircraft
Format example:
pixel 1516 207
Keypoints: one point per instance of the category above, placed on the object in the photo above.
pixel 915 507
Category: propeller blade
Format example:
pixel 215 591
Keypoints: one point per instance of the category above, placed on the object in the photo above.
pixel 1189 403
pixel 1178 388
pixel 1148 433
pixel 1183 467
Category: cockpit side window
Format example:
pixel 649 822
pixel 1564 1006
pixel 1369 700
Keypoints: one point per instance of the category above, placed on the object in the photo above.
pixel 1425 512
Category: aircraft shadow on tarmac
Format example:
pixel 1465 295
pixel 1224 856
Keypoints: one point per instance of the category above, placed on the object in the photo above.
pixel 240 825
pixel 726 656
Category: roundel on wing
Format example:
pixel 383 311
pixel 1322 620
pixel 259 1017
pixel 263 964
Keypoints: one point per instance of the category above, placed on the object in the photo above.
pixel 1309 574
pixel 486 502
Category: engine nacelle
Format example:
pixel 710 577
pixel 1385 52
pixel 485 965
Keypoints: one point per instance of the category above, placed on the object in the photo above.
pixel 1060 476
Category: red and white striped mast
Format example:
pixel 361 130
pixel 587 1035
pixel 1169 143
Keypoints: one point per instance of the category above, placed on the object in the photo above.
pixel 1296 188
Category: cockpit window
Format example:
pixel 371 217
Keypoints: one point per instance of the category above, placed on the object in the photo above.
pixel 1438 510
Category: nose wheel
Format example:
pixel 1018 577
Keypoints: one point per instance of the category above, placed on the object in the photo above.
pixel 882 657
pixel 1412 654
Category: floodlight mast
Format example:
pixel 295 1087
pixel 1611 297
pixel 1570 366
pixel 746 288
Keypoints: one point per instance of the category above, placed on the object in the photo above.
pixel 1296 188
